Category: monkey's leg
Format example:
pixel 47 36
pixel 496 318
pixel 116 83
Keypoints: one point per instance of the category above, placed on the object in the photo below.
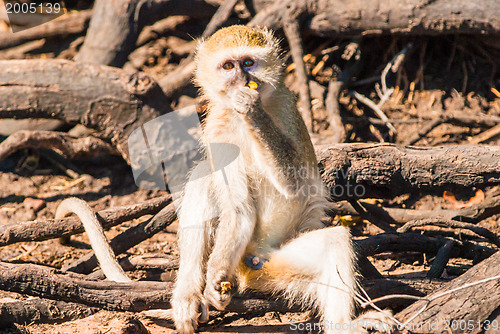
pixel 235 229
pixel 195 215
pixel 316 268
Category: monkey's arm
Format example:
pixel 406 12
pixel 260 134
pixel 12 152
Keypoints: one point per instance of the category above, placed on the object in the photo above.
pixel 284 151
pixel 98 241
pixel 282 148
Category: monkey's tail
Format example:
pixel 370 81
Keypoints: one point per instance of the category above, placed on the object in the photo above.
pixel 95 232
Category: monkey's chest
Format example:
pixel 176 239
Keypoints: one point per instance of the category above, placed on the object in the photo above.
pixel 277 217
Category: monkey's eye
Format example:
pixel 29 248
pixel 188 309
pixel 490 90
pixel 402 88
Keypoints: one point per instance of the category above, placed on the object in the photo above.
pixel 228 66
pixel 248 62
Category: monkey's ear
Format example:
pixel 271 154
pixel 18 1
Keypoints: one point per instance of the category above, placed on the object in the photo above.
pixel 199 45
pixel 202 110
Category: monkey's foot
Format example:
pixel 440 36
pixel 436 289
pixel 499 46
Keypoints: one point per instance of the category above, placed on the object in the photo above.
pixel 186 313
pixel 383 321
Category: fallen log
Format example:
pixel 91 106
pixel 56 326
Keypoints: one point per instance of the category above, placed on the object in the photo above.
pixel 384 170
pixel 103 98
pixel 354 18
pixel 468 304
pixel 45 282
pixel 41 310
pixel 68 146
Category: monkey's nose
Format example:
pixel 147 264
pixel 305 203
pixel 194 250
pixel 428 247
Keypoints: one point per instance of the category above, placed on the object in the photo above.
pixel 246 77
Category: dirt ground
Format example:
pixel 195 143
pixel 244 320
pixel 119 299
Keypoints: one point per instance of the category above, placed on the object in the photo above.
pixel 433 81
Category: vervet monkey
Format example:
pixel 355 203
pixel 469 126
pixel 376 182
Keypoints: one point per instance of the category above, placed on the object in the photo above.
pixel 268 235
pixel 254 222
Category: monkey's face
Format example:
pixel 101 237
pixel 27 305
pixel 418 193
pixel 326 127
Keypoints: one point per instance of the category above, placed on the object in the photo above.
pixel 235 56
pixel 231 69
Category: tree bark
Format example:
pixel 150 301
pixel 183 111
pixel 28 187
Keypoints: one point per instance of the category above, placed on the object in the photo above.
pixel 112 33
pixel 41 311
pixel 68 146
pixel 409 17
pixel 40 281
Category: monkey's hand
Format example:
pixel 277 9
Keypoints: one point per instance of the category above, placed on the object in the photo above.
pixel 245 99
pixel 219 290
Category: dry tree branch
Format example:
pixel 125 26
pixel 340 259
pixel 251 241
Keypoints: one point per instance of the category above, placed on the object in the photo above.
pixel 478 289
pixel 292 32
pixel 470 214
pixel 416 242
pixel 65 144
pixel 484 232
pixel 68 24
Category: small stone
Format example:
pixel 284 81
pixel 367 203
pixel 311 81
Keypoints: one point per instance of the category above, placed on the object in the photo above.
pixel 34 203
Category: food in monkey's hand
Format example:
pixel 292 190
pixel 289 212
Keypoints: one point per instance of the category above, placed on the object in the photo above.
pixel 225 286
pixel 253 85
